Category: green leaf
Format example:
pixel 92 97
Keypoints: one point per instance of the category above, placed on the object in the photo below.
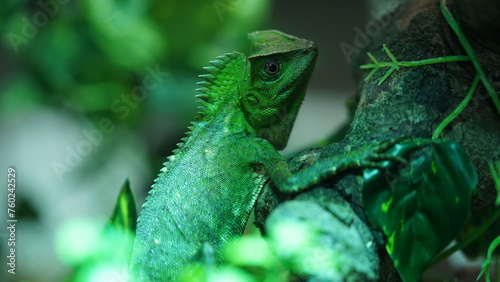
pixel 485 267
pixel 119 233
pixel 420 207
pixel 124 216
pixel 96 253
pixel 495 173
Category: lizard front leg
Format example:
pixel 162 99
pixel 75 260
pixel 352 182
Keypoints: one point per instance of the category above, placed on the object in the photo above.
pixel 369 156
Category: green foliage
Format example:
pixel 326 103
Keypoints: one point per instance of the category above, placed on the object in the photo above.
pixel 121 226
pixel 486 264
pixel 470 52
pixel 420 207
pixel 278 257
pixel 487 229
pixel 395 64
pixel 248 258
pixel 89 54
pixel 495 173
pixel 456 111
pixel 97 254
pixel 124 216
pixel 300 249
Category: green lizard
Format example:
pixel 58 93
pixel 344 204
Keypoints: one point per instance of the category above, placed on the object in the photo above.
pixel 207 189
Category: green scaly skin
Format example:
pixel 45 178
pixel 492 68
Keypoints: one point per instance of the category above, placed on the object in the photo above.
pixel 207 189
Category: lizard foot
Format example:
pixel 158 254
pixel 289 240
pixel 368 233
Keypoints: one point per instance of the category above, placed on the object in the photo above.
pixel 374 155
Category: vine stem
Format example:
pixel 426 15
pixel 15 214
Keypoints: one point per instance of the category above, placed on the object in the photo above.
pixel 487 263
pixel 394 64
pixel 468 49
pixel 418 63
pixel 458 110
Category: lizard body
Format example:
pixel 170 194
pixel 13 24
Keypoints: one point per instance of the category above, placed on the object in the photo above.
pixel 207 189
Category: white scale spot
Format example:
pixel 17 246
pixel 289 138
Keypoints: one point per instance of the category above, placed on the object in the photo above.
pixel 209 153
pixel 178 195
pixel 157 241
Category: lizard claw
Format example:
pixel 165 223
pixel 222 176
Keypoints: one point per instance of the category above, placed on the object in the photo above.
pixel 375 154
pixel 383 145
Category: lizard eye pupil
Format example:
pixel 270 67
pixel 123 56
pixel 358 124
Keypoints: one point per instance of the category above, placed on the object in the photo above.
pixel 272 67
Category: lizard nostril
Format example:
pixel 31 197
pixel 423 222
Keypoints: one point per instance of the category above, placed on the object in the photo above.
pixel 252 99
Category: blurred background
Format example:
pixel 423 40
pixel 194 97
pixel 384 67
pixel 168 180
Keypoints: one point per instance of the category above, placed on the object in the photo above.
pixel 93 92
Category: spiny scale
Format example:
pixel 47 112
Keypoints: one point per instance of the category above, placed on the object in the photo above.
pixel 210 79
pixel 205 97
pixel 219 64
pixel 204 83
pixel 212 70
pixel 202 96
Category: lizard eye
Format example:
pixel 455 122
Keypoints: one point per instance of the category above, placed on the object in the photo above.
pixel 272 67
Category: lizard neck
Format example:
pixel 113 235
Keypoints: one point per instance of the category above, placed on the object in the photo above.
pixel 221 87
pixel 220 97
pixel 220 93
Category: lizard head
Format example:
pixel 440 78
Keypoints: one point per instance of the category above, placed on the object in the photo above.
pixel 276 74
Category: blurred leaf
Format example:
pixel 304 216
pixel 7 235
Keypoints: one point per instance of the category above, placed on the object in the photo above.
pixel 420 207
pixel 232 274
pixel 481 229
pixel 124 216
pixel 77 240
pixel 20 95
pixel 97 96
pixel 495 173
pixel 98 254
pixel 250 251
pixel 124 32
pixel 55 54
pixel 486 264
